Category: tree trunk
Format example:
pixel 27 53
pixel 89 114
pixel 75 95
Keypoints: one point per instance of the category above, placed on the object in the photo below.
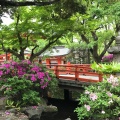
pixel 97 57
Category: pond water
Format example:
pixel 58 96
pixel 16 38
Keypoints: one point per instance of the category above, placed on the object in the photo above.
pixel 65 110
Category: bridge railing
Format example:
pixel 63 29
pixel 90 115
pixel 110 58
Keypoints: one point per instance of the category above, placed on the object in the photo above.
pixel 5 57
pixel 77 72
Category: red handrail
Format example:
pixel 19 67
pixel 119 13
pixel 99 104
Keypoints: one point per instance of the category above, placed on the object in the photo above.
pixel 5 57
pixel 77 72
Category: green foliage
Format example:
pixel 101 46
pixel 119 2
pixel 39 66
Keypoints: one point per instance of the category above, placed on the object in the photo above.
pixel 20 91
pixel 38 26
pixel 101 18
pixel 53 89
pixel 64 11
pixel 53 85
pixel 100 101
pixel 31 97
pixel 33 28
pixel 11 104
pixel 24 82
pixel 115 9
pixel 105 35
pixel 110 68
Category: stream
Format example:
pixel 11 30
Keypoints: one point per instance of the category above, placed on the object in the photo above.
pixel 65 110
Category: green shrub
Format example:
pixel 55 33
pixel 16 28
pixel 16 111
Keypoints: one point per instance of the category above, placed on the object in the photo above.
pixel 100 101
pixel 21 91
pixel 24 82
pixel 110 68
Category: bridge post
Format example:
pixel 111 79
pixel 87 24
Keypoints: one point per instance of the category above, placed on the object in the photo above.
pixel 48 62
pixel 100 77
pixel 67 95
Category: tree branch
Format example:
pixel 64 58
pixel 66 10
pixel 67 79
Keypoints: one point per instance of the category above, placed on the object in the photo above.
pixel 5 3
pixel 32 52
pixel 9 50
pixel 84 38
pixel 117 27
pixel 107 46
pixel 95 47
pixel 95 37
pixel 32 56
pixel 45 48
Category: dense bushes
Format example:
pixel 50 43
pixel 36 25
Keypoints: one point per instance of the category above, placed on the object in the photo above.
pixel 100 101
pixel 22 82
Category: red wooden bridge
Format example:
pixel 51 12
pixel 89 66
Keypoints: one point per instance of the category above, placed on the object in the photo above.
pixel 5 57
pixel 76 72
pixel 74 77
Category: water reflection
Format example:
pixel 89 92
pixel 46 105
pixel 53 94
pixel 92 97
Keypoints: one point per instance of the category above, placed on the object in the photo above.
pixel 65 110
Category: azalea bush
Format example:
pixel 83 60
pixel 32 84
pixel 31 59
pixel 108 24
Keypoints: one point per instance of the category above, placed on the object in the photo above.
pixel 100 101
pixel 20 91
pixel 23 81
pixel 107 58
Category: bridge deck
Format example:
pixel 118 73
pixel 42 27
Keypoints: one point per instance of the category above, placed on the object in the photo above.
pixel 73 84
pixel 96 78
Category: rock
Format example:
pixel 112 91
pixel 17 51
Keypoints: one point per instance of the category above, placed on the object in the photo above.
pixel 68 119
pixel 34 112
pixel 12 110
pixel 5 115
pixel 2 103
pixel 49 112
pixel 50 108
pixel 27 113
pixel 43 101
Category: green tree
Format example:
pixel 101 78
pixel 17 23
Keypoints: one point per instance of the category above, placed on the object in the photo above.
pixel 33 28
pixel 9 6
pixel 97 27
pixel 95 23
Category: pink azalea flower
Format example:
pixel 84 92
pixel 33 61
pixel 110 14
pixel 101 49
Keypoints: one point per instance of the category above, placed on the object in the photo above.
pixel 1 73
pixel 87 107
pixel 93 96
pixel 87 92
pixel 109 94
pixel 40 75
pixel 107 58
pixel 33 78
pixel 42 81
pixel 45 85
pixel 35 107
pixel 110 79
pixel 113 80
pixel 48 76
pixel 114 84
pixel 6 65
pixel 7 113
pixel 35 68
pixel 24 69
pixel 7 72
